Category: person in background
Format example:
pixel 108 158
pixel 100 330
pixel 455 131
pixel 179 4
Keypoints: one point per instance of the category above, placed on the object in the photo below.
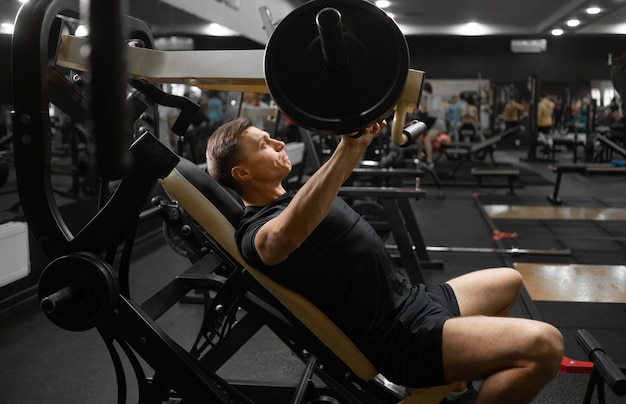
pixel 512 113
pixel 469 119
pixel 613 115
pixel 215 108
pixel 425 143
pixel 618 77
pixel 253 101
pixel 453 117
pixel 435 126
pixel 545 122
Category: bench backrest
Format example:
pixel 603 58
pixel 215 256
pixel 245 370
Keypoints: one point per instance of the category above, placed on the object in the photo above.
pixel 611 144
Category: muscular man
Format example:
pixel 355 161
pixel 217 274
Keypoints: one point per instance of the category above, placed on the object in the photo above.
pixel 315 244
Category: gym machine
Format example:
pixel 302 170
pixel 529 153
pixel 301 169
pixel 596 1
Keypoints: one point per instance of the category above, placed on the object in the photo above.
pixel 84 286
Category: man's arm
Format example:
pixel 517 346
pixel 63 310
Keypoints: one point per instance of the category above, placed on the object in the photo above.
pixel 280 236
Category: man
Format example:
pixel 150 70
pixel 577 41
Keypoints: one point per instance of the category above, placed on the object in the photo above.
pixel 618 77
pixel 453 116
pixel 314 243
pixel 512 113
pixel 435 127
pixel 545 122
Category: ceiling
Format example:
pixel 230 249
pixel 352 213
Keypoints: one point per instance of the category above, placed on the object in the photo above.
pixel 450 17
pixel 426 17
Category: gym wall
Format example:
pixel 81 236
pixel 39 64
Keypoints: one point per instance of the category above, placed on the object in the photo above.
pixel 570 58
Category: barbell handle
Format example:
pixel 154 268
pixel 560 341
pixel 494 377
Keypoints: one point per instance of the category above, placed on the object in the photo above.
pixel 59 299
pixel 603 363
pixel 328 21
pixel 414 130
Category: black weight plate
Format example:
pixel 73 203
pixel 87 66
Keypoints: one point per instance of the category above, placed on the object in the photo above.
pixel 98 290
pixel 344 101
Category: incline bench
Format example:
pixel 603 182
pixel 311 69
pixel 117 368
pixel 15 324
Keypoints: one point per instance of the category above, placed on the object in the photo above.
pixel 587 169
pixel 465 151
pixel 510 173
pixel 608 148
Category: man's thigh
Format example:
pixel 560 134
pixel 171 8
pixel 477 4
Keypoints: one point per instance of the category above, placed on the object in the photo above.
pixel 488 292
pixel 475 347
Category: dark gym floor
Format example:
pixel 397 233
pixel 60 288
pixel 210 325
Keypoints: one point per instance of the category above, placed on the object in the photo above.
pixel 42 363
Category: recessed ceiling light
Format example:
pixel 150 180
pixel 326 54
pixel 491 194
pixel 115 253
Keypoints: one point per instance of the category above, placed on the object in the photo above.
pixel 473 28
pixel 573 23
pixel 6 28
pixel 557 32
pixel 215 29
pixel 382 3
pixel 593 10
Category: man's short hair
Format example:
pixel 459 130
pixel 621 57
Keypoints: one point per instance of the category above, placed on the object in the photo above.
pixel 222 151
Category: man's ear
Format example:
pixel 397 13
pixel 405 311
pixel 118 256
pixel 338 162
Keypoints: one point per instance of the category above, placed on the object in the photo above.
pixel 239 173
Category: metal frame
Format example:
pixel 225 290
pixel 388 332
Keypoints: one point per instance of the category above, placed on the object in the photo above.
pixel 147 160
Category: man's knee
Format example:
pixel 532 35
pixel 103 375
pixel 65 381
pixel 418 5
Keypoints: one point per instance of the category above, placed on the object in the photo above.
pixel 509 278
pixel 512 277
pixel 545 348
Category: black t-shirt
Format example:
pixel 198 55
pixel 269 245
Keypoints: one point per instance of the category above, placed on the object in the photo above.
pixel 344 269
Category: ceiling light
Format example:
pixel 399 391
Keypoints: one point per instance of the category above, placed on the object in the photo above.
pixel 382 3
pixel 214 29
pixel 6 28
pixel 593 10
pixel 473 28
pixel 557 32
pixel 573 23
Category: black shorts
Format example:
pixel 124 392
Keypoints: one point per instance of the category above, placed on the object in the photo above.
pixel 414 353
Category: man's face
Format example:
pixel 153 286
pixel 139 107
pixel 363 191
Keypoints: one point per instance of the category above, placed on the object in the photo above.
pixel 262 157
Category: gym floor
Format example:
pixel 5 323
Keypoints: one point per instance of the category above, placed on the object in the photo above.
pixel 45 364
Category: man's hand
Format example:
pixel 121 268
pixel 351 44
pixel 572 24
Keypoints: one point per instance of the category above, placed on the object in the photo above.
pixel 369 134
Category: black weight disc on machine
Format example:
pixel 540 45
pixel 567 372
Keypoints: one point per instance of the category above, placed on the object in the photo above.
pixel 336 96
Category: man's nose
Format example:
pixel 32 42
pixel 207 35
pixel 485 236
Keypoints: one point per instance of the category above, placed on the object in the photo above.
pixel 279 144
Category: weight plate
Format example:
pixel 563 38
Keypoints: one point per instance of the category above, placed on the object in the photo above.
pixel 96 290
pixel 349 99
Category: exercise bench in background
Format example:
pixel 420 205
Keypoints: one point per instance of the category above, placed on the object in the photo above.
pixel 586 169
pixel 511 175
pixel 465 152
pixel 608 149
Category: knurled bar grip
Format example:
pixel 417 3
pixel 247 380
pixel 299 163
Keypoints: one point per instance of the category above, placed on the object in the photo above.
pixel 603 363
